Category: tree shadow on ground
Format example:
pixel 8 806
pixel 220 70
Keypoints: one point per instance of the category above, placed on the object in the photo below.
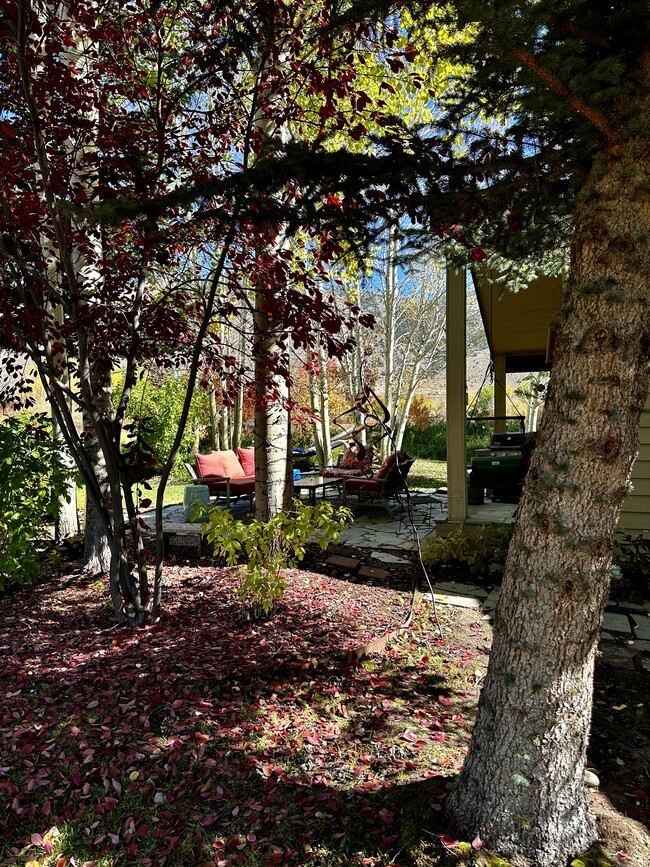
pixel 207 734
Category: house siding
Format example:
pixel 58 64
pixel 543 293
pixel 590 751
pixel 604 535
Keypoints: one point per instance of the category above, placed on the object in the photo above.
pixel 635 515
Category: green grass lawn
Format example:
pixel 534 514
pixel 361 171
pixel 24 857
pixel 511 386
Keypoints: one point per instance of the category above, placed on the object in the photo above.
pixel 428 474
pixel 173 494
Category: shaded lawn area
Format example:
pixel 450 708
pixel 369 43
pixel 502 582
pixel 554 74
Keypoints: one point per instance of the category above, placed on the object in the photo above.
pixel 207 740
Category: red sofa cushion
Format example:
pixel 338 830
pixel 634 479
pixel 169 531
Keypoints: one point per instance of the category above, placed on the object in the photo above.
pixel 223 463
pixel 247 460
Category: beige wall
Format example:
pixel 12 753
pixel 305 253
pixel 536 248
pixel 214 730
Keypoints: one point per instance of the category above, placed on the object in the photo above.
pixel 635 517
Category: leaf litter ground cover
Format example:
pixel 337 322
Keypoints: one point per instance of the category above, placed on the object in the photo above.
pixel 208 740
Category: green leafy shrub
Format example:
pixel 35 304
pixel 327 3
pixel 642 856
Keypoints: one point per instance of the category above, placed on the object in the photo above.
pixel 631 567
pixel 426 432
pixel 32 478
pixel 156 410
pixel 271 546
pixel 431 442
pixel 478 557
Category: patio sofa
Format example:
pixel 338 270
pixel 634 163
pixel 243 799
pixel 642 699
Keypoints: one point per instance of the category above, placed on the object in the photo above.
pixel 225 472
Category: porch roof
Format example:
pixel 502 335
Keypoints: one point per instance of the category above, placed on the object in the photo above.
pixel 517 323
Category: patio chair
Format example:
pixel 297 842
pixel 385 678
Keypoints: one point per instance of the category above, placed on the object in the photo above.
pixel 351 462
pixel 385 484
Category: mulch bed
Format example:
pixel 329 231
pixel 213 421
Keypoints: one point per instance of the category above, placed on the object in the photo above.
pixel 209 740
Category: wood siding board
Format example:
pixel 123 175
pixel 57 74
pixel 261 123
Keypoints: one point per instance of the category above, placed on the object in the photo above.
pixel 635 516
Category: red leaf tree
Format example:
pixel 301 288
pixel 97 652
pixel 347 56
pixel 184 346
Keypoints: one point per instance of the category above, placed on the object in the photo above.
pixel 140 206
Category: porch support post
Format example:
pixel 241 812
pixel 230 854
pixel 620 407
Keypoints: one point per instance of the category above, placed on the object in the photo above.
pixel 456 395
pixel 499 390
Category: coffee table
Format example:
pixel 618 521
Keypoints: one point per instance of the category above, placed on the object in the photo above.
pixel 311 484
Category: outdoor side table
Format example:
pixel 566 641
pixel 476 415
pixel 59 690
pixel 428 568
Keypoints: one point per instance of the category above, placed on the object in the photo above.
pixel 312 484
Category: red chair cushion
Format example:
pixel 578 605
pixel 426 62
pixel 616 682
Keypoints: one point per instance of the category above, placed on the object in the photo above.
pixel 223 463
pixel 382 472
pixel 247 460
pixel 373 485
pixel 237 486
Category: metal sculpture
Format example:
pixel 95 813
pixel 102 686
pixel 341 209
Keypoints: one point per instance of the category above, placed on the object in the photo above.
pixel 372 411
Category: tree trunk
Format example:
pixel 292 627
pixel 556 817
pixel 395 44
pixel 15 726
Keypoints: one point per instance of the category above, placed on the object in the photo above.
pixel 316 426
pixel 400 429
pixel 97 549
pixel 226 430
pixel 319 402
pixel 521 786
pixel 238 409
pixel 67 519
pixel 214 416
pixel 390 301
pixel 271 420
pixel 66 523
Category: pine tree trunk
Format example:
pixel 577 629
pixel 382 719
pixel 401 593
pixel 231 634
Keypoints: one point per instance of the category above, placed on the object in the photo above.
pixel 521 787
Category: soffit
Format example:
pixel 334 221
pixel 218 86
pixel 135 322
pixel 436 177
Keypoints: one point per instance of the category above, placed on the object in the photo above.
pixel 517 323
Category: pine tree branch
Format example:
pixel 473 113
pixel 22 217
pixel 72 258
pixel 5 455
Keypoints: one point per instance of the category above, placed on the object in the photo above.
pixel 562 91
pixel 576 32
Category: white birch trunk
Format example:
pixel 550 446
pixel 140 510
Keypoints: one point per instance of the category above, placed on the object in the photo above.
pixel 324 406
pixel 86 261
pixel 316 427
pixel 273 488
pixel 390 304
pixel 238 409
pixel 271 431
pixel 214 416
